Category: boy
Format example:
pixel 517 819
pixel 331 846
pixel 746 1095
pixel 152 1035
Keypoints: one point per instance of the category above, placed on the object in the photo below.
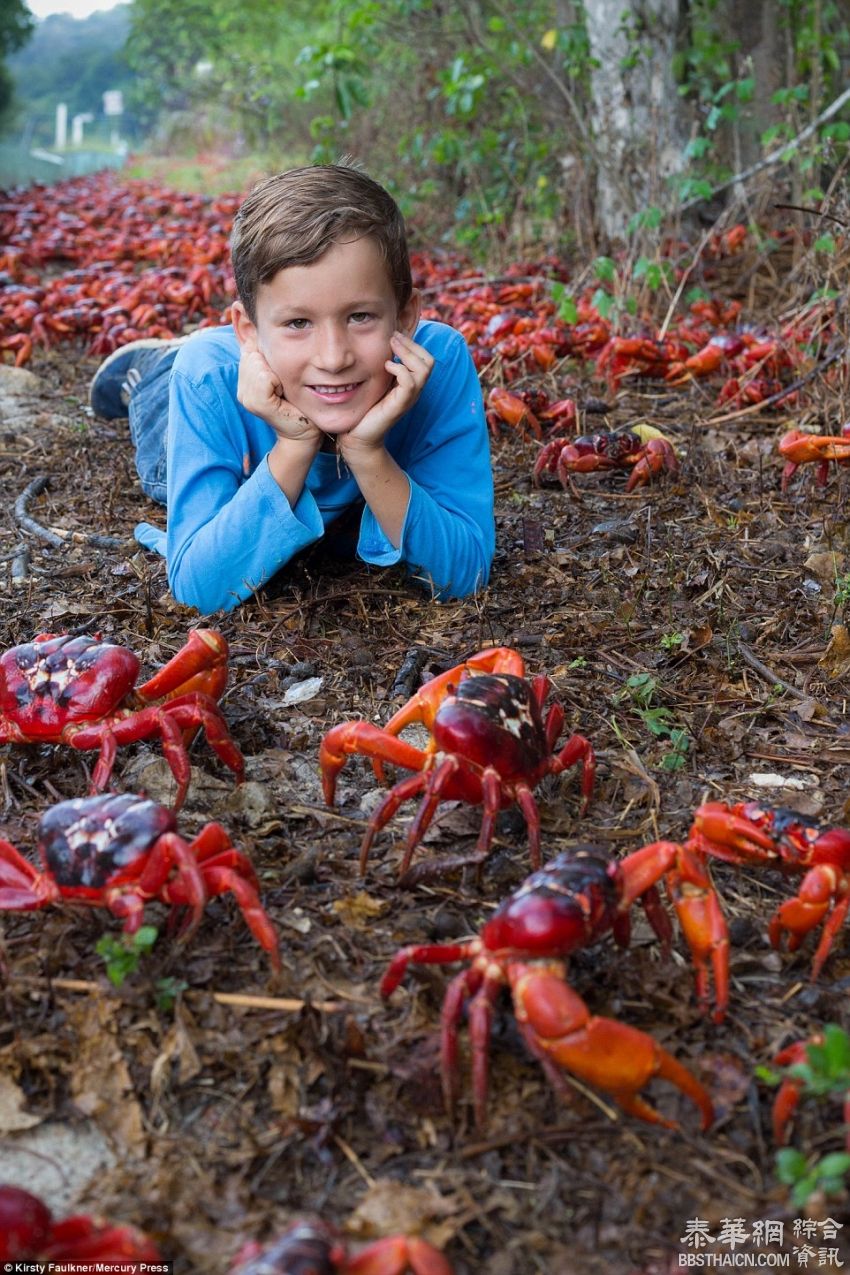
pixel 326 391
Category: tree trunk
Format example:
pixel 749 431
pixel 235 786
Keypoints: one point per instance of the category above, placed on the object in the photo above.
pixel 636 108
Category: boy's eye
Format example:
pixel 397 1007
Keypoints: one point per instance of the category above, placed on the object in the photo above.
pixel 298 324
pixel 361 316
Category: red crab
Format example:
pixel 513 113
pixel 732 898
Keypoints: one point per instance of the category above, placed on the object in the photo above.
pixel 801 449
pixel 314 1248
pixel 489 746
pixel 120 851
pixel 751 833
pixel 626 450
pixel 29 1233
pixel 788 1095
pixel 81 691
pixel 567 905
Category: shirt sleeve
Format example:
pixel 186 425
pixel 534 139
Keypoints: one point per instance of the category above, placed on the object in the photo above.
pixel 227 533
pixel 448 537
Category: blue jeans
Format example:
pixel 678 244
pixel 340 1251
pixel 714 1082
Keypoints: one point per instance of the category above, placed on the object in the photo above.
pixel 148 413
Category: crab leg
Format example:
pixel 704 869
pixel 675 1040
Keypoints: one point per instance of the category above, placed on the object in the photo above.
pixel 613 1056
pixel 693 896
pixel 222 879
pixel 167 721
pixel 815 900
pixel 22 887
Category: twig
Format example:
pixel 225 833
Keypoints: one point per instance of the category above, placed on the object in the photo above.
pixel 749 657
pixel 242 1000
pixel 779 156
pixel 57 536
pixel 411 666
pixel 684 279
pixel 816 212
pixel 20 572
pixel 475 281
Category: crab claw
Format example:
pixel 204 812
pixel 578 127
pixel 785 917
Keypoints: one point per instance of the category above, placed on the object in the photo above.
pixel 398 1255
pixel 618 1059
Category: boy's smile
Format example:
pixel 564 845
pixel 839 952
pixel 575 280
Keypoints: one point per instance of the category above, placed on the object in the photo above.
pixel 325 329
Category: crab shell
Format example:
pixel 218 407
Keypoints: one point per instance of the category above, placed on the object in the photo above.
pixel 90 842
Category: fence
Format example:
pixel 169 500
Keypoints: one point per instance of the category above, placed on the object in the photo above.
pixel 20 166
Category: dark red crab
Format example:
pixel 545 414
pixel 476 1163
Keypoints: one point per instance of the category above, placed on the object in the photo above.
pixel 314 1248
pixel 570 904
pixel 81 691
pixel 121 851
pixel 749 833
pixel 489 746
pixel 624 450
pixel 29 1233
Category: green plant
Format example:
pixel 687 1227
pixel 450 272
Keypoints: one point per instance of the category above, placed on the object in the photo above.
pixel 168 991
pixel 823 1073
pixel 580 661
pixel 671 641
pixel 122 955
pixel 641 688
pixel 841 595
pixel 806 1176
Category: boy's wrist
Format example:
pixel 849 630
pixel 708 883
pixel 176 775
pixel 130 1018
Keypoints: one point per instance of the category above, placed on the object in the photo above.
pixel 289 460
pixel 356 451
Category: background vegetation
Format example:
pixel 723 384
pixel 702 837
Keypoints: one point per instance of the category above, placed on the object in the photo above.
pixel 495 129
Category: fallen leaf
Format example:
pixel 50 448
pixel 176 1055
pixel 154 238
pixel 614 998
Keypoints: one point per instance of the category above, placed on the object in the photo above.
pixel 392 1208
pixel 100 1080
pixel 823 565
pixel 12 1102
pixel 177 1059
pixel 835 660
pixel 798 782
pixel 360 909
pixel 302 691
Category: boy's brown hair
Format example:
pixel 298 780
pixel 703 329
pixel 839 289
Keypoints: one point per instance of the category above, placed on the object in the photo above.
pixel 293 218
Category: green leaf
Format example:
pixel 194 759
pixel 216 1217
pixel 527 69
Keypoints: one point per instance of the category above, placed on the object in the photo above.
pixel 791 1165
pixel 603 301
pixel 834 1165
pixel 605 269
pixel 697 147
pixel 824 243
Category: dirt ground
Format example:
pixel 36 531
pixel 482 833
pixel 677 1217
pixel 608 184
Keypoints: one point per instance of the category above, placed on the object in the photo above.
pixel 215 1122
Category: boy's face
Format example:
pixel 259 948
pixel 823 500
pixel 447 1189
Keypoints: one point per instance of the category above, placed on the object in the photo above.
pixel 324 329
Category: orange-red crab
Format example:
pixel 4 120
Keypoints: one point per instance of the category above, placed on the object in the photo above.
pixel 751 833
pixel 81 691
pixel 28 1234
pixel 489 746
pixel 118 851
pixel 314 1248
pixel 575 900
pixel 788 1095
pixel 802 449
pixel 626 450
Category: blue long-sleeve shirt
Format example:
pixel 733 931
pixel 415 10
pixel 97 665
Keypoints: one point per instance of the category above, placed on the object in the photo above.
pixel 230 527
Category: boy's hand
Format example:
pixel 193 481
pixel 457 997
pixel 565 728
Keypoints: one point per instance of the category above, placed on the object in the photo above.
pixel 410 374
pixel 260 392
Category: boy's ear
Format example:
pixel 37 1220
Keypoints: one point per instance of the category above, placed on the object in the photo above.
pixel 408 316
pixel 246 331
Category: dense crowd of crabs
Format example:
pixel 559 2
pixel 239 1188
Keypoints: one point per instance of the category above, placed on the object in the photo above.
pixel 143 266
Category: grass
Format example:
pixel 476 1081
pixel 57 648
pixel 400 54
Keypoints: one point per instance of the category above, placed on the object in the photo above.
pixel 208 172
